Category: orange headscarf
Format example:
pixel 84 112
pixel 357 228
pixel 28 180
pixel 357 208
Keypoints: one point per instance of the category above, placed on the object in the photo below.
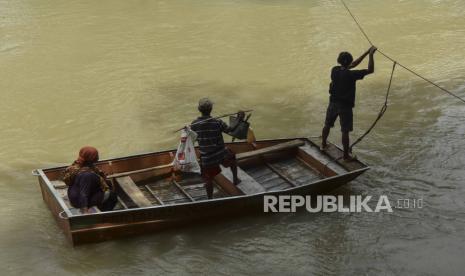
pixel 87 156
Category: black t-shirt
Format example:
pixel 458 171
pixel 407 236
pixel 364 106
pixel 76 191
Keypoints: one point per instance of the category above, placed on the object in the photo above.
pixel 342 87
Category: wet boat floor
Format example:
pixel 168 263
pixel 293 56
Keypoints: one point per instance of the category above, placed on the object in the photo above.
pixel 270 175
pixel 166 192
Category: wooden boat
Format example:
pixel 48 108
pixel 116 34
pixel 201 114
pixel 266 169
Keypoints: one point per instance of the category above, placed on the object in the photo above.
pixel 150 198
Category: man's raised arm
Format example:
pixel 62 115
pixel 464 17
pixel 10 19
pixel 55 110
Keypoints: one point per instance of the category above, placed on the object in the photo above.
pixel 356 62
pixel 371 61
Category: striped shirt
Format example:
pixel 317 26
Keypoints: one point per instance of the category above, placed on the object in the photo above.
pixel 210 140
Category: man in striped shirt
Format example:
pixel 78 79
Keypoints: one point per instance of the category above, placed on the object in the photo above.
pixel 213 152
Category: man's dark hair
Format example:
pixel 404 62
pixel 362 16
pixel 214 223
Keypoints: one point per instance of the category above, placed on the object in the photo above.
pixel 205 106
pixel 345 59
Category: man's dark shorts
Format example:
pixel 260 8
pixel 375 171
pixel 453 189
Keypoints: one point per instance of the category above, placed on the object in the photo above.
pixel 209 173
pixel 345 116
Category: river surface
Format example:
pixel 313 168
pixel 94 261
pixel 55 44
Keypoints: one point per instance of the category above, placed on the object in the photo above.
pixel 122 75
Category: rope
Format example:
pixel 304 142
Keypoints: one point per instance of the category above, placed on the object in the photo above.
pixel 381 112
pixel 403 66
pixel 356 22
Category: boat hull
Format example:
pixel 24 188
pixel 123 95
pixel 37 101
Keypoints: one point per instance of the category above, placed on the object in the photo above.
pixel 82 229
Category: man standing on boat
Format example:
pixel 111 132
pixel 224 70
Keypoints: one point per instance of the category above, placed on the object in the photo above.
pixel 213 152
pixel 342 96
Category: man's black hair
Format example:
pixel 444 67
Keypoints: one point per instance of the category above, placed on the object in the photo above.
pixel 345 59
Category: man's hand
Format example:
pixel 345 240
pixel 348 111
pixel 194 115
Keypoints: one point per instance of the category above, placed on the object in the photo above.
pixel 240 115
pixel 356 62
pixel 371 62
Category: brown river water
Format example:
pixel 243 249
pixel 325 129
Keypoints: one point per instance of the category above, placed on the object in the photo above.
pixel 121 75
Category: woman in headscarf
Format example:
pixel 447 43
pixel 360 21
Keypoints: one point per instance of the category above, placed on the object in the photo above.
pixel 87 183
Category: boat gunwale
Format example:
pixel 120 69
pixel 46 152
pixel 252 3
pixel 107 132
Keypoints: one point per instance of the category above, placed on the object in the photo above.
pixel 138 155
pixel 55 194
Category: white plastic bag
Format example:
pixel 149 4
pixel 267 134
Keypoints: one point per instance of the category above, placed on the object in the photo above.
pixel 186 159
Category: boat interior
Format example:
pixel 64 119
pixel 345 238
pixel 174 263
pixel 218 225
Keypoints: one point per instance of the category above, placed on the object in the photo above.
pixel 266 166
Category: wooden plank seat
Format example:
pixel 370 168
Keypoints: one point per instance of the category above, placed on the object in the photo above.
pixel 278 147
pixel 133 192
pixel 248 185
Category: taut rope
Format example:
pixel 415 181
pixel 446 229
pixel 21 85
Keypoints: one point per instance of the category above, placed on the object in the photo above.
pixel 383 109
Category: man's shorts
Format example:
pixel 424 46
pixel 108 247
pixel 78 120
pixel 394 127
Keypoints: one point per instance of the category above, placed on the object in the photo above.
pixel 208 173
pixel 345 116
